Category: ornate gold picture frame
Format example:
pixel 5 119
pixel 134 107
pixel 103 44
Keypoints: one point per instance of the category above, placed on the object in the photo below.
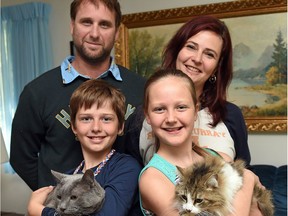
pixel 232 9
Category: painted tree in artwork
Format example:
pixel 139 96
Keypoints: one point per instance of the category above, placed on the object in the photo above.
pixel 279 57
pixel 144 52
pixel 272 75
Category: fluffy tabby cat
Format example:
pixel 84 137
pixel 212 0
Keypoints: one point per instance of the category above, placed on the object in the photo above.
pixel 78 194
pixel 208 188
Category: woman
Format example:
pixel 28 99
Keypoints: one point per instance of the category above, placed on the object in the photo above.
pixel 202 49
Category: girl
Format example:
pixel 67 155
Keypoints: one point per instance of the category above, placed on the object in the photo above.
pixel 170 105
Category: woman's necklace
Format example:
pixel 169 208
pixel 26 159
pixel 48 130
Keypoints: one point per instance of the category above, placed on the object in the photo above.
pixel 101 165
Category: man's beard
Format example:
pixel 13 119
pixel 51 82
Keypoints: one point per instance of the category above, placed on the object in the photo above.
pixel 94 58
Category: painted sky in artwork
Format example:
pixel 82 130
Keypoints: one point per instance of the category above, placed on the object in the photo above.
pixel 257 31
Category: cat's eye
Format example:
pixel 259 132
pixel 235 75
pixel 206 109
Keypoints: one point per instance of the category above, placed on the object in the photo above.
pixel 59 197
pixel 198 201
pixel 73 197
pixel 184 197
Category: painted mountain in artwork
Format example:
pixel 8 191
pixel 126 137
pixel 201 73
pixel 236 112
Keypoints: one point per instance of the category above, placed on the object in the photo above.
pixel 247 64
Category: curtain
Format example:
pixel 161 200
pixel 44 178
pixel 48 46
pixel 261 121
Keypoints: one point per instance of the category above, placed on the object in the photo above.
pixel 25 54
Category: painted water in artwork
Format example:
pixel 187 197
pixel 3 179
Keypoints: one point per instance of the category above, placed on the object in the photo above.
pixel 259 85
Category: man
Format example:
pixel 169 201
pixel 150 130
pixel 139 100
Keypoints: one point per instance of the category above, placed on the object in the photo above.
pixel 42 138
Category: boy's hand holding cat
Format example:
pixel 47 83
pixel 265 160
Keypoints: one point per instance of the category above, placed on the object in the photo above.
pixel 38 197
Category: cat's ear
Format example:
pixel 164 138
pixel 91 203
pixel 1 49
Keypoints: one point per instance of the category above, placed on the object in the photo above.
pixel 212 182
pixel 181 171
pixel 88 177
pixel 181 174
pixel 57 175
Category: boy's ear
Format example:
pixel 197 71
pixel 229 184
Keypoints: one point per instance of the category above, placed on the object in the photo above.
pixel 73 129
pixel 121 130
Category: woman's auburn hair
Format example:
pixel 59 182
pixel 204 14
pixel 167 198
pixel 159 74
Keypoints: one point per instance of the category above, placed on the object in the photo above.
pixel 214 95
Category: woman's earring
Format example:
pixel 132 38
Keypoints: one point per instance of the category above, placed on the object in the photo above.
pixel 76 138
pixel 212 79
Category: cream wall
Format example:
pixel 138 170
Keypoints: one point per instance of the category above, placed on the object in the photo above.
pixel 265 149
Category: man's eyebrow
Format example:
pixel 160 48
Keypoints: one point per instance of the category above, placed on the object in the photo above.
pixel 85 19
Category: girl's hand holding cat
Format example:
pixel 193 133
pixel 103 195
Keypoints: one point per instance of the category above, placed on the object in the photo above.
pixel 244 196
pixel 248 174
pixel 38 197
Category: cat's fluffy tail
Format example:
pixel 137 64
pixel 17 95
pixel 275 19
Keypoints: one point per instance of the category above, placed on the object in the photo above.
pixel 264 199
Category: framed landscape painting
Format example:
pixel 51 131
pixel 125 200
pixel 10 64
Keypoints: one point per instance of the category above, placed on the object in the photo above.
pixel 259 35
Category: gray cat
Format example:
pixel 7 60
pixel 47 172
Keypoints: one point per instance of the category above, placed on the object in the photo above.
pixel 78 194
pixel 209 188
